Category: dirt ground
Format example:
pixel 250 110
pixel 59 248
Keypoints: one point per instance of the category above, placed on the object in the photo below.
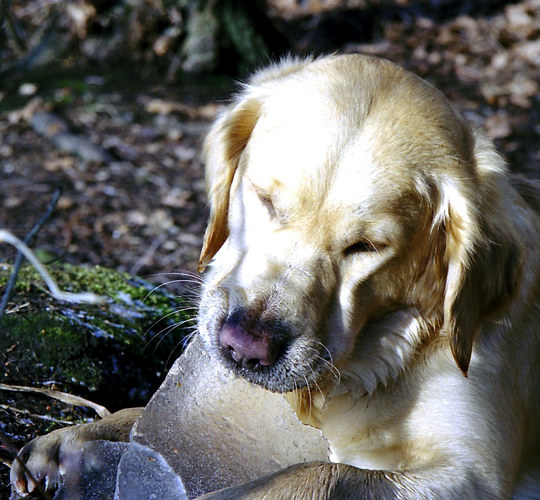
pixel 125 152
pixel 140 207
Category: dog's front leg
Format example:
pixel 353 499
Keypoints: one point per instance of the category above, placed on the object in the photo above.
pixel 41 460
pixel 325 481
pixel 312 481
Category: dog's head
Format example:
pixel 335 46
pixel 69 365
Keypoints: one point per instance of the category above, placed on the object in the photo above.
pixel 350 204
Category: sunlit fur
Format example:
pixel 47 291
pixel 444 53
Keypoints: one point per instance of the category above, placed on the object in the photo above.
pixel 355 214
pixel 353 208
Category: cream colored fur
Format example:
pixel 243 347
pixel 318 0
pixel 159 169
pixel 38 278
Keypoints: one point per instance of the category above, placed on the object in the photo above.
pixel 352 206
pixel 359 219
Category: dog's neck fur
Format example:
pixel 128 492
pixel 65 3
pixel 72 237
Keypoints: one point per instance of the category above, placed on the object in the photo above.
pixel 383 352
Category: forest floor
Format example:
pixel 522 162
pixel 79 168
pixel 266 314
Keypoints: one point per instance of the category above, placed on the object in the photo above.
pixel 130 171
pixel 126 152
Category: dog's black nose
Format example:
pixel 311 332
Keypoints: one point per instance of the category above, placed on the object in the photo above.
pixel 251 351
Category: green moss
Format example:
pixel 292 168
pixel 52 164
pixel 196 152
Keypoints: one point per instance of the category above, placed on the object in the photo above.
pixel 120 348
pixel 74 278
pixel 121 288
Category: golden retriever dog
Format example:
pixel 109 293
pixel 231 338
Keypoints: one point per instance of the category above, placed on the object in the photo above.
pixel 371 258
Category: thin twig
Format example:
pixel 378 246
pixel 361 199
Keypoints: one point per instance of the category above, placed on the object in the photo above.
pixel 31 8
pixel 4 9
pixel 27 413
pixel 28 241
pixel 22 247
pixel 54 289
pixel 15 31
pixel 61 396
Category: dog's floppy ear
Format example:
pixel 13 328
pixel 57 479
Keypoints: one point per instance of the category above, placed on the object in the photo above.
pixel 483 253
pixel 223 147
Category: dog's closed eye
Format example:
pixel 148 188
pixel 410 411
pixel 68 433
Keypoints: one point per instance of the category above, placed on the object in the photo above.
pixel 266 200
pixel 363 246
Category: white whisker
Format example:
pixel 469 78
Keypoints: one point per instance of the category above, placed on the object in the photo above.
pixel 317 386
pixel 309 395
pixel 183 343
pixel 329 363
pixel 176 311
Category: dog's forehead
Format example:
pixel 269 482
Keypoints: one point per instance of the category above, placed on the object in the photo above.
pixel 361 129
pixel 317 159
pixel 296 129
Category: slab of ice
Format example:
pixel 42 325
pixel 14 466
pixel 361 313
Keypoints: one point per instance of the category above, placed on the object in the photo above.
pixel 143 474
pixel 91 473
pixel 216 430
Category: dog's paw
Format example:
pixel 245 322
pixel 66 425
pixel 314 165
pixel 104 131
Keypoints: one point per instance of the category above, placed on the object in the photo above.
pixel 43 460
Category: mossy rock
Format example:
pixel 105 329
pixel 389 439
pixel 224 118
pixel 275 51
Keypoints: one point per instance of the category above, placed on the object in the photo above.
pixel 115 354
